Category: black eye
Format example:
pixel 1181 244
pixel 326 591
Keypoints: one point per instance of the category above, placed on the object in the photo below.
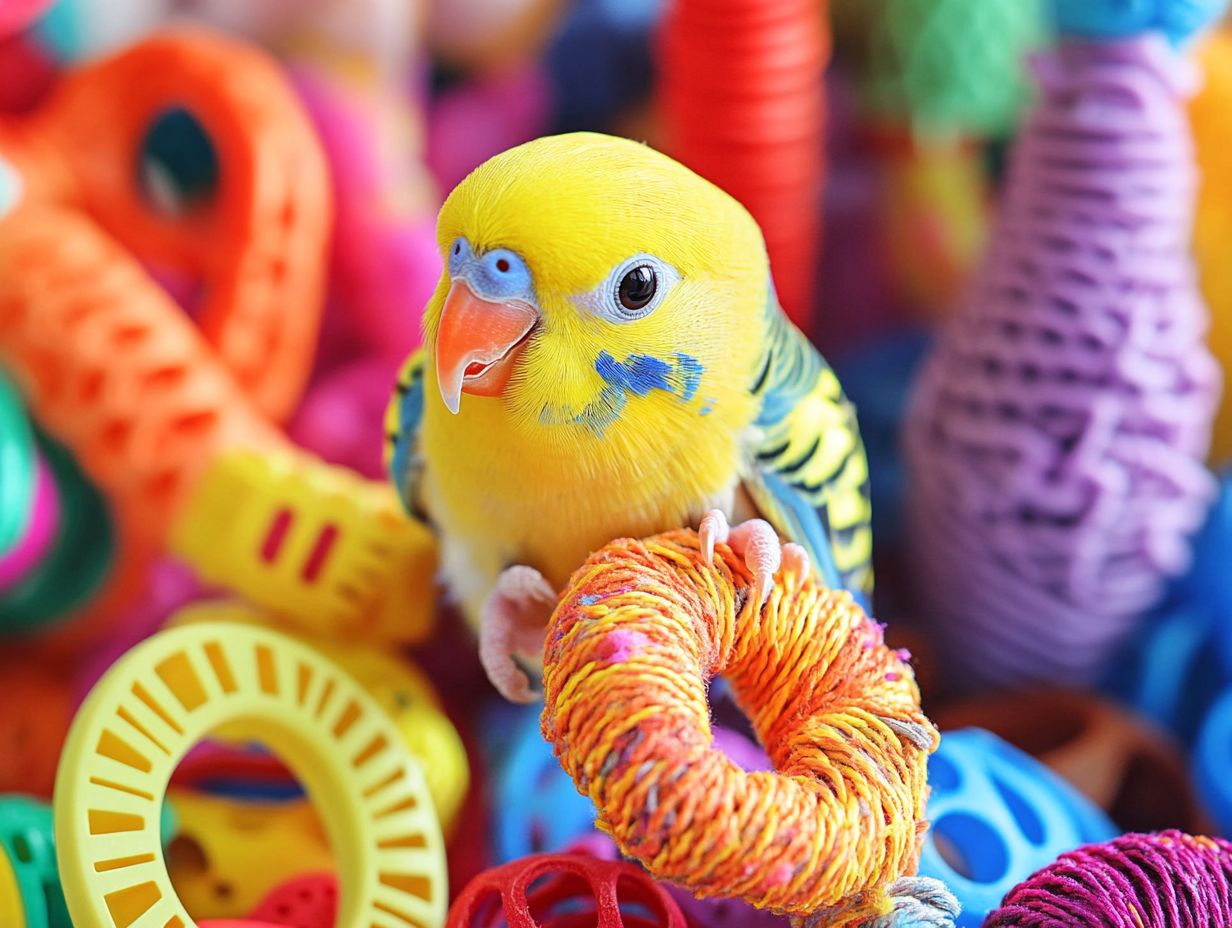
pixel 637 288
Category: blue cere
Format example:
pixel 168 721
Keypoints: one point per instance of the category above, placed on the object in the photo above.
pixel 498 274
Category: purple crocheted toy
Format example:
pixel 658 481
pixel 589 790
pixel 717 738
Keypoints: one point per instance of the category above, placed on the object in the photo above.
pixel 1056 438
pixel 1168 880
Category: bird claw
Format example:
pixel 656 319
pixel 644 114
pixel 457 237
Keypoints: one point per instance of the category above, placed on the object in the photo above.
pixel 513 624
pixel 757 543
pixel 920 902
pixel 714 527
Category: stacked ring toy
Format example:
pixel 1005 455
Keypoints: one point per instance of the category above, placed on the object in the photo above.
pixel 174 689
pixel 834 830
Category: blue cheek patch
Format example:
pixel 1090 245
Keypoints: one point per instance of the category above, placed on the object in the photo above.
pixel 639 375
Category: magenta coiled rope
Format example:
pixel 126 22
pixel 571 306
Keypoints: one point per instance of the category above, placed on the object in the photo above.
pixel 1165 880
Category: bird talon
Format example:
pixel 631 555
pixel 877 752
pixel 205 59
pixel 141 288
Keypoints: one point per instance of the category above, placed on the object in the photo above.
pixel 714 528
pixel 795 561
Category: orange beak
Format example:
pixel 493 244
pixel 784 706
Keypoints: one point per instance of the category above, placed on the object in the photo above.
pixel 478 343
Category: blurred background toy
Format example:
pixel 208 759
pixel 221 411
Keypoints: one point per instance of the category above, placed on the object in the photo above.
pixel 217 241
pixel 996 817
pixel 1057 433
pixel 941 85
pixel 1131 770
pixel 755 125
pixel 1170 880
pixel 164 461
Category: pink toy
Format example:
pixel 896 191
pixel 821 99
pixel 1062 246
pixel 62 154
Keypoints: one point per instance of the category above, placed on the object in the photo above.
pixel 385 259
pixel 15 15
pixel 470 124
pixel 335 420
pixel 40 533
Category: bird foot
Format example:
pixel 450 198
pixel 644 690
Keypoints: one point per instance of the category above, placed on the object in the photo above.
pixel 919 902
pixel 513 623
pixel 758 544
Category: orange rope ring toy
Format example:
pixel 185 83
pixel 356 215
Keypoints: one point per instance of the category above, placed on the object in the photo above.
pixel 830 834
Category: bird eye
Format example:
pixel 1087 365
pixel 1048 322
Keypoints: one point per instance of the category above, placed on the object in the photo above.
pixel 637 288
pixel 633 290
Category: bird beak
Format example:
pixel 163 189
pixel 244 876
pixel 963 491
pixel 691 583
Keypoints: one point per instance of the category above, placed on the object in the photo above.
pixel 478 342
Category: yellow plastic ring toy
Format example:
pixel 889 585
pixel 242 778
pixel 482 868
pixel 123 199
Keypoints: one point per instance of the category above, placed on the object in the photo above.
pixel 171 691
pixel 12 909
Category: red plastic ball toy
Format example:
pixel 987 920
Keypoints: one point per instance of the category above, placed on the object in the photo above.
pixel 564 891
pixel 308 901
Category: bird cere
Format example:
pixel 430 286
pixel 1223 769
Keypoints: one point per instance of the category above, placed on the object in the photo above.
pixel 441 443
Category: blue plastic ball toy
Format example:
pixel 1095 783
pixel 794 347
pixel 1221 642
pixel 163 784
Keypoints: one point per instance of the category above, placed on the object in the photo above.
pixel 1171 672
pixel 1209 583
pixel 1213 763
pixel 536 808
pixel 997 816
pixel 1179 20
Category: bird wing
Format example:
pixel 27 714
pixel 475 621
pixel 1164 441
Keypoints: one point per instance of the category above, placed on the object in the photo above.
pixel 807 472
pixel 402 421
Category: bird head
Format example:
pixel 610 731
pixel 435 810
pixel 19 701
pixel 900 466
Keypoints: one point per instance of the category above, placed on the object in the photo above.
pixel 581 263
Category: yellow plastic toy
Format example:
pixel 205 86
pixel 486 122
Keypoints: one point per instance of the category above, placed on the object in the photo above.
pixel 12 911
pixel 175 688
pixel 1211 117
pixel 329 552
pixel 398 686
pixel 228 854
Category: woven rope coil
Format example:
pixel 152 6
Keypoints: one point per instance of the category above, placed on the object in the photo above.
pixel 631 647
pixel 1166 880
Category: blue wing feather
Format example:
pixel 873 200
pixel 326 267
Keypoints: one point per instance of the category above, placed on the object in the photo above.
pixel 807 472
pixel 402 421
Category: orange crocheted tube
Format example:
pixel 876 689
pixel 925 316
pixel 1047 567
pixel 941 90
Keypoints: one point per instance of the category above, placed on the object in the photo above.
pixel 113 369
pixel 257 244
pixel 632 645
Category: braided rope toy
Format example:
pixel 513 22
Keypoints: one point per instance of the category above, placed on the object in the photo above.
pixel 829 834
pixel 1165 880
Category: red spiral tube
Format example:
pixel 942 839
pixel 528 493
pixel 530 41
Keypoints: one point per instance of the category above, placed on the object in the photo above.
pixel 744 106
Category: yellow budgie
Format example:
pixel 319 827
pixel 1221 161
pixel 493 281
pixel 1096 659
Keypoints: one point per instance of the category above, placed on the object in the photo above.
pixel 605 357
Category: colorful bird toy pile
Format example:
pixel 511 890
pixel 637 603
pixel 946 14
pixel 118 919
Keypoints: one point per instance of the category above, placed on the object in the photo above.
pixel 427 501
